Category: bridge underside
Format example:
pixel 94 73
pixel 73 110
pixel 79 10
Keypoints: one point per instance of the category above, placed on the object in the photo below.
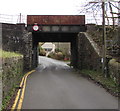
pixel 55 37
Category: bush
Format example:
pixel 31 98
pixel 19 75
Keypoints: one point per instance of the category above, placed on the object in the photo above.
pixel 42 52
pixel 58 56
pixel 58 50
pixel 52 55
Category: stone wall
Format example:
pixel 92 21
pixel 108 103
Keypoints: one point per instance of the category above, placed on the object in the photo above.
pixel 16 39
pixel 90 57
pixel 89 54
pixel 27 50
pixel 114 70
pixel 112 38
pixel 12 73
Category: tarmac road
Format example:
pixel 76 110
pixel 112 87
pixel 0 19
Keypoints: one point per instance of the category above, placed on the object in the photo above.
pixel 55 85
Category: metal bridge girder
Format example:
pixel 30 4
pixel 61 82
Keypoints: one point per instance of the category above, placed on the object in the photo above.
pixel 59 28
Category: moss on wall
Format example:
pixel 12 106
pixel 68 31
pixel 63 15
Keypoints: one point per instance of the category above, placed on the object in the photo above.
pixel 12 72
pixel 114 70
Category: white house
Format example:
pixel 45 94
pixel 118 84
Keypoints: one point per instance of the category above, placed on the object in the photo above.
pixel 49 47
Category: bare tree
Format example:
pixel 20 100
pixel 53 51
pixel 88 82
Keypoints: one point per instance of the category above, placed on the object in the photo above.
pixel 96 9
pixel 109 11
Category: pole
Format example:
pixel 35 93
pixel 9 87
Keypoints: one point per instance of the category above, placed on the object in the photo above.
pixel 118 35
pixel 119 14
pixel 20 17
pixel 104 68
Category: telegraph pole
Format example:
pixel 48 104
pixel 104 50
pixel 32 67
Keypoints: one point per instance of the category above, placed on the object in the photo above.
pixel 20 18
pixel 118 35
pixel 104 68
pixel 104 62
pixel 119 23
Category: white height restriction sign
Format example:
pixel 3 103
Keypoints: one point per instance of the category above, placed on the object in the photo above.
pixel 36 27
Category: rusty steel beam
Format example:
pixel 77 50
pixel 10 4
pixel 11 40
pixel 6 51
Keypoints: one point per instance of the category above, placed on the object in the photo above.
pixel 56 19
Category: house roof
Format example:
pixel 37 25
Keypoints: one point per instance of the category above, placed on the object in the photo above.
pixel 47 45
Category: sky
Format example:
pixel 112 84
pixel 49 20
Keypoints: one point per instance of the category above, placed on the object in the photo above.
pixel 11 9
pixel 40 7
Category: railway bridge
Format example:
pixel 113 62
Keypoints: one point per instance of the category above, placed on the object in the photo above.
pixel 53 81
pixel 56 28
pixel 49 28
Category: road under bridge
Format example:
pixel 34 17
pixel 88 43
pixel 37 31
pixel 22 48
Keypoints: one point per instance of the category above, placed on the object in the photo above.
pixel 22 39
pixel 59 28
pixel 60 81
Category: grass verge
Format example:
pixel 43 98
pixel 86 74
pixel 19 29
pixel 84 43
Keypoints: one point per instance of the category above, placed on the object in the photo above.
pixel 9 99
pixel 6 100
pixel 108 83
pixel 5 54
